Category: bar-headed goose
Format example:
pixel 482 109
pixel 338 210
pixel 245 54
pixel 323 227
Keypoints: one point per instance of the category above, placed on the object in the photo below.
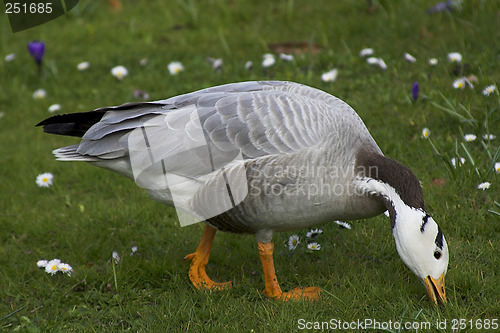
pixel 258 158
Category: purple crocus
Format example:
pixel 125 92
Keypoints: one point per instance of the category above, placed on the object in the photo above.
pixel 37 49
pixel 441 7
pixel 415 89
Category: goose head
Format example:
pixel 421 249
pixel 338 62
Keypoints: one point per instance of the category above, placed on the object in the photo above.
pixel 419 240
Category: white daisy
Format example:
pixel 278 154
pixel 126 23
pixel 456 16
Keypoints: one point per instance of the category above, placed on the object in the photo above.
pixel 377 61
pixel 293 241
pixel 489 137
pixel 410 58
pixel 39 94
pixel 459 83
pixel 83 66
pixel 44 179
pixel 483 186
pixel 119 72
pixel 366 52
pixel 314 246
pixel 497 167
pixel 216 63
pixel 454 57
pixel 469 137
pixel 489 90
pixel 268 60
pixel 52 266
pixel 65 268
pixel 314 233
pixel 116 257
pixel 10 57
pixel 344 224
pixel 286 57
pixel 433 61
pixel 175 67
pixel 134 250
pixel 426 133
pixel 41 263
pixel 330 76
pixel 54 108
pixel 248 65
pixel 460 161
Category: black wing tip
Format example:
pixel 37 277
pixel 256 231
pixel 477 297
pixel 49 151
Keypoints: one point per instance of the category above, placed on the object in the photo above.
pixel 71 124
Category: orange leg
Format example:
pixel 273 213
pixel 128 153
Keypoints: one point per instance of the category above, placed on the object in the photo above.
pixel 197 273
pixel 273 289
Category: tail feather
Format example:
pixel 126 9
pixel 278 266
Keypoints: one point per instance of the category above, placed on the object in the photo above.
pixel 69 154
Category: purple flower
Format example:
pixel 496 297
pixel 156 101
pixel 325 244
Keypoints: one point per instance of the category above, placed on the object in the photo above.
pixel 37 49
pixel 415 89
pixel 441 7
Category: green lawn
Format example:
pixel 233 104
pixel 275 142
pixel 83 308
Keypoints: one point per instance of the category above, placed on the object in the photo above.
pixel 88 213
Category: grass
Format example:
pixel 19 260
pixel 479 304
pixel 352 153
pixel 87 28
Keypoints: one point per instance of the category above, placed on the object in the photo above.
pixel 88 213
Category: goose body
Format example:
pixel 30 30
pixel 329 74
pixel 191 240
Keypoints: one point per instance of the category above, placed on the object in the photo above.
pixel 257 158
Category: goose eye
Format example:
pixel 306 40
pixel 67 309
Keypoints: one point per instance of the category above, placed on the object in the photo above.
pixel 437 255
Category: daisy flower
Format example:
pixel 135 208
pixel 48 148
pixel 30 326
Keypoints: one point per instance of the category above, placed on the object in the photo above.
pixel 83 66
pixel 314 233
pixel 377 61
pixel 454 57
pixel 39 94
pixel 65 268
pixel 425 133
pixel 44 179
pixel 483 186
pixel 293 241
pixel 216 63
pixel 433 61
pixel 10 57
pixel 366 52
pixel 175 67
pixel 54 107
pixel 497 167
pixel 119 72
pixel 410 58
pixel 134 250
pixel 314 246
pixel 459 83
pixel 489 137
pixel 286 57
pixel 41 263
pixel 52 266
pixel 469 137
pixel 489 90
pixel 330 76
pixel 460 161
pixel 268 60
pixel 116 257
pixel 248 65
pixel 343 224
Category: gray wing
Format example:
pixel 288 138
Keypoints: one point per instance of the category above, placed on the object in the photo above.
pixel 254 118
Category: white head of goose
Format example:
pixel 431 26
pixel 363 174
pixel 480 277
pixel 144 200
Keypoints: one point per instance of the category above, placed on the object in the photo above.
pixel 259 158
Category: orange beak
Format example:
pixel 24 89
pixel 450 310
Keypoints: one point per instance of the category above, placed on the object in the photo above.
pixel 435 288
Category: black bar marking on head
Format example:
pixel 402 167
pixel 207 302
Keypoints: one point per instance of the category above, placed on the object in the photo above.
pixel 424 222
pixel 439 239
